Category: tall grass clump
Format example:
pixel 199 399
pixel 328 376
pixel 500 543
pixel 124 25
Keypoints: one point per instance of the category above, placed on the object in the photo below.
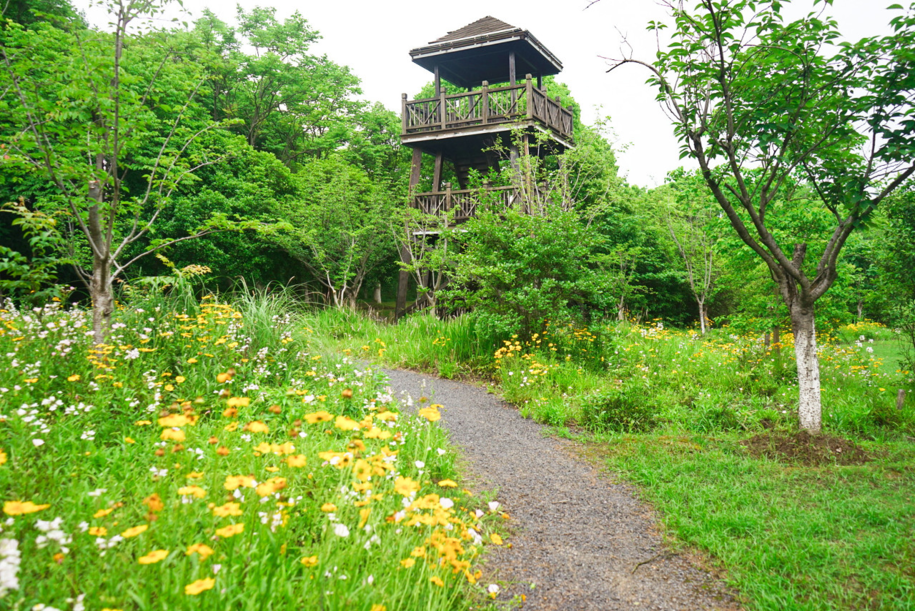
pixel 213 458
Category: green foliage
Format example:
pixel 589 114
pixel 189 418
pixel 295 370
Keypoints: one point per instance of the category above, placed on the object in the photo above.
pixel 518 271
pixel 32 279
pixel 618 410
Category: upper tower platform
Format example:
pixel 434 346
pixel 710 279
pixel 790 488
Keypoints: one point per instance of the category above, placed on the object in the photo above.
pixel 498 64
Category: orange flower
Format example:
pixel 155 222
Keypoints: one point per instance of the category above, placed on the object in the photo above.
pixel 174 420
pixel 238 481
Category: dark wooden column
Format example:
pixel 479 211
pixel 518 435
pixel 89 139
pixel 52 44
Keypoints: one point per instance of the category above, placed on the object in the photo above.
pixel 438 81
pixel 437 175
pixel 403 277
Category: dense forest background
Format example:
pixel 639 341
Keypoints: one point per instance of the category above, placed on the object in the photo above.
pixel 287 143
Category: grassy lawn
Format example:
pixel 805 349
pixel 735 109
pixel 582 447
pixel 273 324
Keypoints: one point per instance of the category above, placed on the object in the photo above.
pixel 788 536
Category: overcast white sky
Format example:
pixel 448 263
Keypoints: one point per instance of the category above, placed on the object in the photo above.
pixel 373 38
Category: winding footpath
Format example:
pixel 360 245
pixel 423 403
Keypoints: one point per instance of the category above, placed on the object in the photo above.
pixel 581 540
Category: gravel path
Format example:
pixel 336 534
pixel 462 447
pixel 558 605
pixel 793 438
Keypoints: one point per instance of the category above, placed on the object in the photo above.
pixel 579 536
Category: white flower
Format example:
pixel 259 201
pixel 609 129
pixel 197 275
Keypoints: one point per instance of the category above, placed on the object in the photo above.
pixel 132 354
pixel 38 442
pixel 493 588
pixel 493 505
pixel 216 568
pixel 419 464
pixel 446 503
pixel 341 530
pixel 442 451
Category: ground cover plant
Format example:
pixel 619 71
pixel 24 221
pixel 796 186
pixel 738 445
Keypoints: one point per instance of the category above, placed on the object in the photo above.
pixel 208 457
pixel 707 428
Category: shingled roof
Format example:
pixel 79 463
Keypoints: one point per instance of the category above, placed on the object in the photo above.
pixel 480 27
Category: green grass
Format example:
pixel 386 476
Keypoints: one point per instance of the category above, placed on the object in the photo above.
pixel 789 537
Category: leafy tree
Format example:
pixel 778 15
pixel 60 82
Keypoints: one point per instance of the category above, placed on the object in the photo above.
pixel 113 127
pixel 745 89
pixel 339 226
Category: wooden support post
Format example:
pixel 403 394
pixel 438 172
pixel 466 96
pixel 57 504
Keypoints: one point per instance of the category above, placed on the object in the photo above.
pixel 540 82
pixel 438 81
pixel 444 111
pixel 403 113
pixel 447 206
pixel 415 169
pixel 403 277
pixel 403 284
pixel 900 399
pixel 485 93
pixel 530 96
pixel 437 175
pixel 511 79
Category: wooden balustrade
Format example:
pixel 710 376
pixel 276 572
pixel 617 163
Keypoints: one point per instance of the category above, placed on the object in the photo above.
pixel 487 106
pixel 465 200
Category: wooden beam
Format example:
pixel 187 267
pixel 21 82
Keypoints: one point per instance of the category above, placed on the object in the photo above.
pixel 438 81
pixel 511 68
pixel 540 82
pixel 416 168
pixel 437 176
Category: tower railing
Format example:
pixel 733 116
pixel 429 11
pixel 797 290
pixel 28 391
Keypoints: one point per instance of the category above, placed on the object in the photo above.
pixel 465 200
pixel 487 106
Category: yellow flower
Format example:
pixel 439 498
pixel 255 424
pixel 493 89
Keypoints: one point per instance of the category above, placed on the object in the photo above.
pixel 142 423
pixel 257 427
pixel 430 413
pixel 230 531
pixel 174 420
pixel 180 379
pixel 298 460
pixel 238 481
pixel 231 427
pixel 328 508
pixel 377 433
pixel 101 513
pixel 271 486
pixel 437 581
pixel 362 470
pixel 129 440
pixel 136 530
pixel 192 361
pixel 321 416
pixel 201 549
pixel 2 457
pixel 98 531
pixel 196 491
pixel 154 557
pixel 447 483
pixel 18 508
pixel 364 516
pixel 496 539
pixel 238 401
pixel 309 561
pixel 418 552
pixel 172 434
pixel 201 585
pixel 378 608
pixel 386 416
pixel 345 424
pixel 73 378
pixel 405 486
pixel 229 509
pixel 194 475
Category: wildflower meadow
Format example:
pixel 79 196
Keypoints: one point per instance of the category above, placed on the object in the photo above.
pixel 208 457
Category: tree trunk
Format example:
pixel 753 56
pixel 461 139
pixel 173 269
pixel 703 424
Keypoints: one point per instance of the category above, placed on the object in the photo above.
pixel 621 309
pixel 808 367
pixel 102 296
pixel 377 295
pixel 702 316
pixel 860 310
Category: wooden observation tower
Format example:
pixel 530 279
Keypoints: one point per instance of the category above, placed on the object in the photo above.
pixel 486 58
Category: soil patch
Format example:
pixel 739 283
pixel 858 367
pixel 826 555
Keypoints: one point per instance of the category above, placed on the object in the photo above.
pixel 802 448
